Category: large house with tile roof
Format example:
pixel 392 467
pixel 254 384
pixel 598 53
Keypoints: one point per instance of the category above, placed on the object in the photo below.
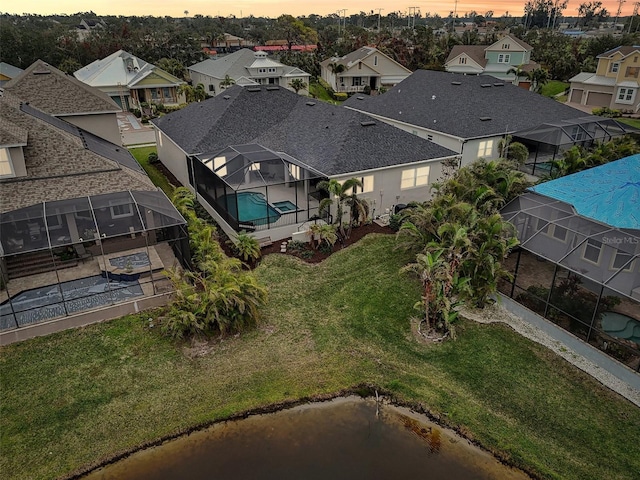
pixel 496 59
pixel 470 114
pixel 365 67
pixel 130 81
pixel 614 84
pixel 56 93
pixel 259 171
pixel 245 67
pixel 73 206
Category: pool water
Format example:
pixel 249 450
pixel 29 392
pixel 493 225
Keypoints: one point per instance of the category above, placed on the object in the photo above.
pixel 251 207
pixel 620 325
pixel 286 206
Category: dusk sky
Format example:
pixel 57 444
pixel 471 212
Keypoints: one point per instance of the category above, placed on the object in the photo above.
pixel 272 8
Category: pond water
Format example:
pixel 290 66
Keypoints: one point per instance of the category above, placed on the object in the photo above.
pixel 340 439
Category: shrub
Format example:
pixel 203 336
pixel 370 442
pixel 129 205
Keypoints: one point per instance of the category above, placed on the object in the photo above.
pixel 153 158
pixel 607 112
pixel 395 221
pixel 366 90
pixel 340 96
pixel 297 246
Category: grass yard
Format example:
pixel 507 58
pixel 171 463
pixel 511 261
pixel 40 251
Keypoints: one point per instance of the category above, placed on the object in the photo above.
pixel 81 396
pixel 141 154
pixel 321 93
pixel 634 122
pixel 553 88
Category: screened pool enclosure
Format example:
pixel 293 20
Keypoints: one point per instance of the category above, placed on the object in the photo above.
pixel 255 188
pixel 581 274
pixel 63 257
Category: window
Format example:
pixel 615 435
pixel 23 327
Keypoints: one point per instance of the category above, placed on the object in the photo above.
pixel 255 166
pixel 212 88
pixel 485 148
pixel 367 184
pixel 154 93
pixel 591 251
pixel 375 60
pixel 614 67
pixel 504 58
pixel 542 225
pixel 635 59
pixel 462 60
pixel 6 167
pixel 414 177
pixel 626 95
pixel 559 233
pixel 262 70
pixel 271 70
pixel 54 221
pixel 219 166
pixel 295 171
pixel 118 211
pixel 620 260
pixel 578 134
pixel 166 92
pixel 357 81
pixel 359 65
pixel 505 46
pixel 430 138
pixel 632 72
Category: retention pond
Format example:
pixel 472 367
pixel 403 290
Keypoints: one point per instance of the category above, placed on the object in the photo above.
pixel 345 438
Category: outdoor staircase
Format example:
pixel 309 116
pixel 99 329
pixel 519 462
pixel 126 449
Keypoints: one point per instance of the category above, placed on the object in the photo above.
pixel 37 262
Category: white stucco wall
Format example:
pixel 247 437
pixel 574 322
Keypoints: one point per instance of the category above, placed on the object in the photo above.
pixel 172 157
pixel 104 125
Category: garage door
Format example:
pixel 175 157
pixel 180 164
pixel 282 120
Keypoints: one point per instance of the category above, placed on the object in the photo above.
pixel 599 99
pixel 576 96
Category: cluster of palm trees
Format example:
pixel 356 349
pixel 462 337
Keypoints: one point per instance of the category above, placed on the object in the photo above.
pixel 460 240
pixel 192 94
pixel 538 76
pixel 217 295
pixel 345 195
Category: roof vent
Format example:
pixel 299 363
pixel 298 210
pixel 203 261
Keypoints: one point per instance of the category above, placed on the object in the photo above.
pixel 485 119
pixel 226 97
pixel 498 84
pixel 367 124
pixel 41 72
pixel 254 89
pixel 456 83
pixel 311 104
pixel 360 98
pixel 485 85
pixel 273 88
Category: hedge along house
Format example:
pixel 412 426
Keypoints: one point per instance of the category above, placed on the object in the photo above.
pixel 578 264
pixel 468 114
pixel 255 155
pixel 84 233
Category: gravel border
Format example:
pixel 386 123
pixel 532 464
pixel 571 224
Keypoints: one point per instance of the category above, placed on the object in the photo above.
pixel 496 313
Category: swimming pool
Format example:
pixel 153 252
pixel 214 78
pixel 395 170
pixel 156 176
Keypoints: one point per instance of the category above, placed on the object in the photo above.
pixel 621 326
pixel 251 207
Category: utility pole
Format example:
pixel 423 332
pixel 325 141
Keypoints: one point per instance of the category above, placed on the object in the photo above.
pixel 341 11
pixel 620 2
pixel 633 15
pixel 379 10
pixel 453 18
pixel 412 17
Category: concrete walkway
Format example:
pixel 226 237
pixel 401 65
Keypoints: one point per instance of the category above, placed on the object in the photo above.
pixel 599 365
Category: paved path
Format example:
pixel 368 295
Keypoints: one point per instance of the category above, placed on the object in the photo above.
pixel 599 365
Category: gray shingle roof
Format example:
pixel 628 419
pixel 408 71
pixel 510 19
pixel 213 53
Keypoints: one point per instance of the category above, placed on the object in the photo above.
pixel 63 161
pixel 56 93
pixel 326 137
pixel 475 52
pixel 455 104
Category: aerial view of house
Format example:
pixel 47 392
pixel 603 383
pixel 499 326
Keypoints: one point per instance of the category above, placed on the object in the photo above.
pixel 130 81
pixel 365 68
pixel 614 83
pixel 245 67
pixel 259 173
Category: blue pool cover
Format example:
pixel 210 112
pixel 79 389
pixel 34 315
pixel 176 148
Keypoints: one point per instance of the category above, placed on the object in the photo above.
pixel 609 193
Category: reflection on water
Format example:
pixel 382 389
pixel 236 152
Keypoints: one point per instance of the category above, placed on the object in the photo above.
pixel 341 439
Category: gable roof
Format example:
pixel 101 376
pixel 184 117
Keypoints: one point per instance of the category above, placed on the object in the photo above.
pixel 624 50
pixel 609 193
pixel 63 161
pixel 353 58
pixel 121 68
pixel 516 40
pixel 54 92
pixel 474 52
pixel 465 106
pixel 328 138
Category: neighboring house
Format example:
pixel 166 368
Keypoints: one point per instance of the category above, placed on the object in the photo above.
pixel 130 81
pixel 82 227
pixel 365 67
pixel 580 237
pixel 614 84
pixel 468 114
pixel 231 43
pixel 255 155
pixel 8 72
pixel 495 60
pixel 245 67
pixel 58 94
pixel 87 26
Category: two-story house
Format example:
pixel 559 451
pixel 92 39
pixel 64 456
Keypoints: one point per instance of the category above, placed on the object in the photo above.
pixel 496 60
pixel 365 67
pixel 614 84
pixel 130 81
pixel 245 67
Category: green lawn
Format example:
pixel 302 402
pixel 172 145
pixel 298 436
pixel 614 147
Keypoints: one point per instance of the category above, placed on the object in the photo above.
pixel 321 93
pixel 634 122
pixel 81 396
pixel 141 154
pixel 553 87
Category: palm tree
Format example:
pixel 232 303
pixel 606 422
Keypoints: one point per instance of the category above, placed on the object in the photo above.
pixel 342 192
pixel 227 82
pixel 297 84
pixel 518 72
pixel 538 77
pixel 336 69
